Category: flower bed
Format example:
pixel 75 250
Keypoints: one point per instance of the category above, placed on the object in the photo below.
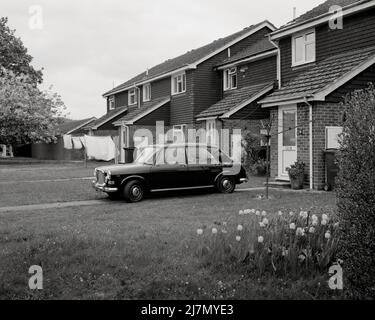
pixel 282 243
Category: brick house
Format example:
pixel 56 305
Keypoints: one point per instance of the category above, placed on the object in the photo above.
pixel 318 65
pixel 177 90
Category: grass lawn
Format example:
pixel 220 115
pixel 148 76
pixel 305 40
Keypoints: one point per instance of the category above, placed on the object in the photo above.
pixel 139 251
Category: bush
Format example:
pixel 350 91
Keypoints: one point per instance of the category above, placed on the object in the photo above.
pixel 253 154
pixel 356 193
pixel 296 170
pixel 285 244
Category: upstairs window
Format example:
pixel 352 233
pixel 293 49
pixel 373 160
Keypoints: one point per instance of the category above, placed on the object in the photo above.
pixel 230 79
pixel 111 103
pixel 303 48
pixel 132 98
pixel 179 83
pixel 147 92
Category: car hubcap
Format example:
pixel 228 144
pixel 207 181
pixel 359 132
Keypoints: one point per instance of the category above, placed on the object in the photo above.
pixel 136 192
pixel 227 184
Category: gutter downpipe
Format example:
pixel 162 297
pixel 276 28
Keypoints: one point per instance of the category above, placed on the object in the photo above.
pixel 310 143
pixel 278 60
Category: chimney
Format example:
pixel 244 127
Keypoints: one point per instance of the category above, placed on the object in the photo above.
pixel 294 13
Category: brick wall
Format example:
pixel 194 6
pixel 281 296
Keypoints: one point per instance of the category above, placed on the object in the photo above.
pixel 324 114
pixel 274 115
pixel 303 138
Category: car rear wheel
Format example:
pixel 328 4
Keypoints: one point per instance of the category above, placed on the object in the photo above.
pixel 226 184
pixel 134 191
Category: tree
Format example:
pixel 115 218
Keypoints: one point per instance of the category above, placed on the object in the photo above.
pixel 27 114
pixel 14 56
pixel 356 193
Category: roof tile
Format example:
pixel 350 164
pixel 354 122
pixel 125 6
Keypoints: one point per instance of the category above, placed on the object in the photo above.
pixel 320 75
pixel 233 100
pixel 320 10
pixel 144 108
pixel 261 46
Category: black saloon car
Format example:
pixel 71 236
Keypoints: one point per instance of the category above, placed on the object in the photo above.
pixel 170 167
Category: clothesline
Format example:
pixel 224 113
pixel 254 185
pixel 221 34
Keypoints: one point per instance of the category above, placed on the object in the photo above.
pixel 96 148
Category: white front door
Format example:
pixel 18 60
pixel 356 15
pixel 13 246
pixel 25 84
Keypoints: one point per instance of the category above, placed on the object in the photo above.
pixel 287 129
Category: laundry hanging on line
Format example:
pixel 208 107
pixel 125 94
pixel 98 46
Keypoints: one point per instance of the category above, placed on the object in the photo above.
pixel 100 148
pixel 68 144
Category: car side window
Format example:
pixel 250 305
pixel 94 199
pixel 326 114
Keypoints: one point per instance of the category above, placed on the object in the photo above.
pixel 200 156
pixel 171 156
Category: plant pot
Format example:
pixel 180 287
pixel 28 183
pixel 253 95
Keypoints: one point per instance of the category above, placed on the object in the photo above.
pixel 297 182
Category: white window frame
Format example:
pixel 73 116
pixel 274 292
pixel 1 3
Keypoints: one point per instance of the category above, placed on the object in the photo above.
pixel 131 93
pixel 304 35
pixel 211 132
pixel 111 104
pixel 332 132
pixel 146 92
pixel 180 78
pixel 228 78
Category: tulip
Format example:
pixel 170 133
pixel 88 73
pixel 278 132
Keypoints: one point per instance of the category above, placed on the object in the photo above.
pixel 303 214
pixel 312 230
pixel 328 235
pixel 265 221
pixel 324 222
pixel 280 213
pixel 214 231
pixel 325 217
pixel 241 212
pixel 260 239
pixel 291 213
pixel 238 238
pixel 264 213
pixel 300 232
pixel 257 213
pixel 239 228
pixel 200 232
pixel 292 226
pixel 261 224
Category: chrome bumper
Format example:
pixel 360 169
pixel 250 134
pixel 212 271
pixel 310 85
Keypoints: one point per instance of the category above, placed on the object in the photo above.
pixel 244 180
pixel 103 188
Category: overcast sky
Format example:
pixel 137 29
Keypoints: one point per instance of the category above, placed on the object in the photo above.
pixel 85 46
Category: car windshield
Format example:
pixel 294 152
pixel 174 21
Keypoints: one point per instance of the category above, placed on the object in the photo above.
pixel 146 155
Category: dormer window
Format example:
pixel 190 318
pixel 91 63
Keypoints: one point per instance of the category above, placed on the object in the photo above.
pixel 303 48
pixel 111 103
pixel 230 79
pixel 132 97
pixel 179 83
pixel 146 92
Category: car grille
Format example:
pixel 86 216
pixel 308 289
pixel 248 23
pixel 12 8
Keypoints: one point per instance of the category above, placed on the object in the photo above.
pixel 100 177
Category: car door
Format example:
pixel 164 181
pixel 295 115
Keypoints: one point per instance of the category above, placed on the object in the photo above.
pixel 203 167
pixel 170 170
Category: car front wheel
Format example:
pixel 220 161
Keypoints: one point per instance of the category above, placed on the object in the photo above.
pixel 134 191
pixel 226 184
